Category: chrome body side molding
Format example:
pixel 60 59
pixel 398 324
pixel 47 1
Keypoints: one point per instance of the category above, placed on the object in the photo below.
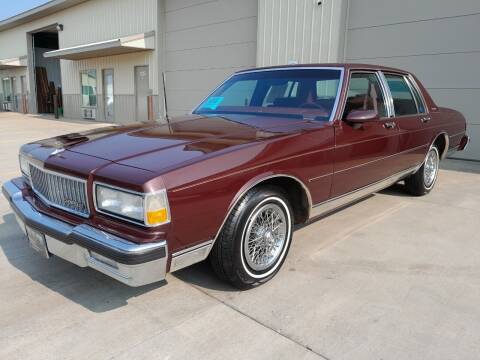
pixel 191 255
pixel 342 200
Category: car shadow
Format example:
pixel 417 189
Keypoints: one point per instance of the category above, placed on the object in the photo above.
pixel 202 275
pixel 84 286
pixel 397 190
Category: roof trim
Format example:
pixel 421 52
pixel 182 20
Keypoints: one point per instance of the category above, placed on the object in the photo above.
pixel 13 63
pixel 38 12
pixel 347 66
pixel 128 44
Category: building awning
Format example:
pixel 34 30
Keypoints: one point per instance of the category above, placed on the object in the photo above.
pixel 124 45
pixel 13 63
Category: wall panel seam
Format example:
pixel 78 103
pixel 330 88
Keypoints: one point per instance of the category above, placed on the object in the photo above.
pixel 212 23
pixel 413 21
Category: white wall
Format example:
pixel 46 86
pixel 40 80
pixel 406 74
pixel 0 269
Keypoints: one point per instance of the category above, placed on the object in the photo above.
pixel 437 40
pixel 123 68
pixel 301 31
pixel 205 42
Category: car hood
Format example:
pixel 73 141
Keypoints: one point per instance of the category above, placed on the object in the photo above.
pixel 158 147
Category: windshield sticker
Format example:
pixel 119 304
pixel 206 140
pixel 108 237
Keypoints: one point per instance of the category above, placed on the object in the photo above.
pixel 213 102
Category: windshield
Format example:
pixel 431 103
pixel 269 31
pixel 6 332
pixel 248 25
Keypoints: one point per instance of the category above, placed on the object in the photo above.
pixel 292 93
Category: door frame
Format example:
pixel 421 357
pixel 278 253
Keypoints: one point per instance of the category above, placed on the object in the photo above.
pixel 136 86
pixel 339 172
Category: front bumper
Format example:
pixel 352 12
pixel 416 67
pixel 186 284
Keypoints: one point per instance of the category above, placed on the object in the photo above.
pixel 85 246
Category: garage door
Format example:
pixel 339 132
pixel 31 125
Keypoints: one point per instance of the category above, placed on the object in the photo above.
pixel 438 40
pixel 206 41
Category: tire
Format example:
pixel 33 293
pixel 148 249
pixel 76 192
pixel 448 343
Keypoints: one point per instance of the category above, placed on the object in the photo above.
pixel 423 181
pixel 250 250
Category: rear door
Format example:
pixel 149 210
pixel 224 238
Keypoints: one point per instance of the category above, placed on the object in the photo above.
pixel 365 153
pixel 412 119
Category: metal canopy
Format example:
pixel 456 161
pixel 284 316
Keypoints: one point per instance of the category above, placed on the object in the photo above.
pixel 124 45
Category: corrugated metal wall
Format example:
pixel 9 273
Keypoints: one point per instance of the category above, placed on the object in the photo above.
pixel 87 22
pixel 123 83
pixel 205 42
pixel 437 40
pixel 94 21
pixel 301 31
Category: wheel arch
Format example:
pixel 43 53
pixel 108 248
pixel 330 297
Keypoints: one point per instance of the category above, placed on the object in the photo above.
pixel 442 141
pixel 296 190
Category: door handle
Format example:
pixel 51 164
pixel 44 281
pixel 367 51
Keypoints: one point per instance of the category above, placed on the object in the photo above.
pixel 389 125
pixel 426 119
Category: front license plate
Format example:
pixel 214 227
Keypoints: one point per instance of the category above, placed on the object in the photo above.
pixel 37 242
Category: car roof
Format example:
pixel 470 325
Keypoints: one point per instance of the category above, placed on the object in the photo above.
pixel 346 66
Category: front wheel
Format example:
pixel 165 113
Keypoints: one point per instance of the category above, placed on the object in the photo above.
pixel 423 181
pixel 255 239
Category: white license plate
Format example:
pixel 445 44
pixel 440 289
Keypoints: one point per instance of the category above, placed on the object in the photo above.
pixel 37 242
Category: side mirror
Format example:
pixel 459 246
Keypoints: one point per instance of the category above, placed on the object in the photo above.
pixel 360 116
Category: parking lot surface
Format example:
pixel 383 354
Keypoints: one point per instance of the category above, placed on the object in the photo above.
pixel 391 277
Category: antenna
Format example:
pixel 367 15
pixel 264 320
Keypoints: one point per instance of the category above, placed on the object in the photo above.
pixel 165 107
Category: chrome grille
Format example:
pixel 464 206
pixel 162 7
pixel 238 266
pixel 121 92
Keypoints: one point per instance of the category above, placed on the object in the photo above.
pixel 60 191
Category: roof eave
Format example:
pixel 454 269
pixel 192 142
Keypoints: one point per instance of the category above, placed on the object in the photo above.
pixel 38 12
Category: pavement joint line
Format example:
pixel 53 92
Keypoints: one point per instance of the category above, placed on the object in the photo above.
pixel 306 347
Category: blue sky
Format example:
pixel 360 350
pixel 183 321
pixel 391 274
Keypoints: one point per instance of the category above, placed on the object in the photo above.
pixel 9 8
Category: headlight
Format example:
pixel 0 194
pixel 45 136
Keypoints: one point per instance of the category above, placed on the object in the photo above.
pixel 149 209
pixel 24 165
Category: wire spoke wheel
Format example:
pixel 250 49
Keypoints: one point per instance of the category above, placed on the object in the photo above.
pixel 265 237
pixel 431 168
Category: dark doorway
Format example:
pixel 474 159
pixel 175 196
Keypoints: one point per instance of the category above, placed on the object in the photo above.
pixel 47 71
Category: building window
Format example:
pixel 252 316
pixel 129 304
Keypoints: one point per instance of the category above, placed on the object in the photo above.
pixel 7 89
pixel 88 80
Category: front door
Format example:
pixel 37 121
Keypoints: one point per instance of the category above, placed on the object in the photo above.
pixel 108 97
pixel 364 153
pixel 142 90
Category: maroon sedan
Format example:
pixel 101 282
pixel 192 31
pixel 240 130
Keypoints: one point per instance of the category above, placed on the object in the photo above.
pixel 269 149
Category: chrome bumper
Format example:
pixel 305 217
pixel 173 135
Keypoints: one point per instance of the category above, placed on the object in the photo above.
pixel 85 246
pixel 464 143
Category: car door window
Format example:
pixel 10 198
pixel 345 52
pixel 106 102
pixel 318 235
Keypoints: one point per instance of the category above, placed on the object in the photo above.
pixel 418 98
pixel 365 93
pixel 403 100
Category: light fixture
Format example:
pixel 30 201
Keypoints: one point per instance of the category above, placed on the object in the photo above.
pixel 59 27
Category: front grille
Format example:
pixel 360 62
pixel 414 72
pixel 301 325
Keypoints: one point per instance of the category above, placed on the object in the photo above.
pixel 60 191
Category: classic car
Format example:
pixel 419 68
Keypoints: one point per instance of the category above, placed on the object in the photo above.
pixel 269 149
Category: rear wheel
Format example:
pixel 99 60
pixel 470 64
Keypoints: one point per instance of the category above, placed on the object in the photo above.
pixel 423 181
pixel 255 239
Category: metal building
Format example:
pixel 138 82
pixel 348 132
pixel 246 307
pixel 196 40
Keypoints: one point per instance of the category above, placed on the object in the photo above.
pixel 108 56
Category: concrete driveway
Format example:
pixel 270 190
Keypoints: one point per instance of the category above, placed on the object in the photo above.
pixel 392 277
